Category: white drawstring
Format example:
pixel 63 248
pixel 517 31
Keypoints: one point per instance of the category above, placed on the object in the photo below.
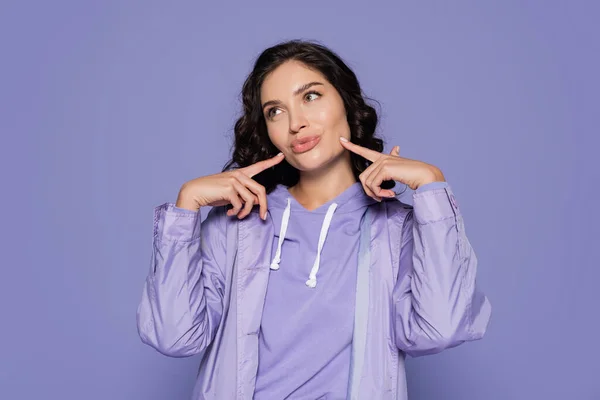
pixel 312 278
pixel 284 224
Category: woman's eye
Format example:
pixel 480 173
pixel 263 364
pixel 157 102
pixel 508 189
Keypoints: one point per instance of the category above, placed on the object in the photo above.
pixel 310 96
pixel 271 112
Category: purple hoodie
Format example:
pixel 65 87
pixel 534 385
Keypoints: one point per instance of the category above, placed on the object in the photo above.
pixel 328 309
pixel 306 332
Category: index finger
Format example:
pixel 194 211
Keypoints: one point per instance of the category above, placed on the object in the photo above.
pixel 369 154
pixel 260 166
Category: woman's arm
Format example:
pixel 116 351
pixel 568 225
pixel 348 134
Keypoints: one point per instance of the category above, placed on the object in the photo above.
pixel 436 302
pixel 182 299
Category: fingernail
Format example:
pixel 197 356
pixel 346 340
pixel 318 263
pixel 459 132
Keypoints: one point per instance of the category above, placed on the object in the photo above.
pixel 280 154
pixel 343 139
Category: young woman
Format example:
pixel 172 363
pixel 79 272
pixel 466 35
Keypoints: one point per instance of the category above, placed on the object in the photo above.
pixel 308 279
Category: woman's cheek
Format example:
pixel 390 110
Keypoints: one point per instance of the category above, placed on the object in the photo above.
pixel 277 138
pixel 321 115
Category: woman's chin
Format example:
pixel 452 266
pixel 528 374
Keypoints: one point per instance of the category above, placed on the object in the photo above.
pixel 312 161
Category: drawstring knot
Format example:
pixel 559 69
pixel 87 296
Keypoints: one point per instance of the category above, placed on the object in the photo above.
pixel 312 282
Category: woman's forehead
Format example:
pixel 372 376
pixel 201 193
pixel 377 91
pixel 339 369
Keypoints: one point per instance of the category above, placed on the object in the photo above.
pixel 287 78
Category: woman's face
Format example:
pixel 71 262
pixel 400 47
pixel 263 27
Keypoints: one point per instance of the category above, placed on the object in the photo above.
pixel 305 116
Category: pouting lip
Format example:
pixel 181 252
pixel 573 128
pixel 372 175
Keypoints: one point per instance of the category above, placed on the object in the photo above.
pixel 303 140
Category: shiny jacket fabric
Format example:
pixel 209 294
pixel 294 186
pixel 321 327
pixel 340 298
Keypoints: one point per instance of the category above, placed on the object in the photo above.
pixel 207 282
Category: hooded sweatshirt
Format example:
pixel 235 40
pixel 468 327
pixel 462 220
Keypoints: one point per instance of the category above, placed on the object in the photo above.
pixel 306 329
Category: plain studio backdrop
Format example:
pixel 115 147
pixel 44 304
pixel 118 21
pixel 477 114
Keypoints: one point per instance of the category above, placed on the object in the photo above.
pixel 107 107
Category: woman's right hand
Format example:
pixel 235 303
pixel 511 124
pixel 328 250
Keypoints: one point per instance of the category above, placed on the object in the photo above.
pixel 234 187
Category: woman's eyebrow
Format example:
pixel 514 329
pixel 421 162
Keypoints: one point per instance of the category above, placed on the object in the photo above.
pixel 305 87
pixel 296 93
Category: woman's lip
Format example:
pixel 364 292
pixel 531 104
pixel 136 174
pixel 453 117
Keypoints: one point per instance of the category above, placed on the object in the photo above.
pixel 306 144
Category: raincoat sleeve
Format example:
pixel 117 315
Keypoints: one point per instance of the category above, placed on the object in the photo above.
pixel 182 299
pixel 437 304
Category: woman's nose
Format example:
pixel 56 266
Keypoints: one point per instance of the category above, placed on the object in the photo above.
pixel 298 121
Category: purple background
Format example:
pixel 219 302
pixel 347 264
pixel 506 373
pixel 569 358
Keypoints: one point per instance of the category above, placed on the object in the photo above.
pixel 108 107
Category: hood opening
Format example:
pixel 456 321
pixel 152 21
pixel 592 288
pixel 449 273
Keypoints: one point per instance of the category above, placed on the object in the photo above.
pixel 352 199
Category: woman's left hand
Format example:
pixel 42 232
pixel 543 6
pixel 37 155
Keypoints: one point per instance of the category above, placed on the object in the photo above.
pixel 412 173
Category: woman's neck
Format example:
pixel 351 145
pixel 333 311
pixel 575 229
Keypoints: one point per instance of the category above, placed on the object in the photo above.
pixel 319 187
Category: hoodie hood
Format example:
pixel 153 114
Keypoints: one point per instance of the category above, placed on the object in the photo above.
pixel 285 209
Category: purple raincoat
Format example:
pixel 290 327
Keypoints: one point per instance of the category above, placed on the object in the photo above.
pixel 206 288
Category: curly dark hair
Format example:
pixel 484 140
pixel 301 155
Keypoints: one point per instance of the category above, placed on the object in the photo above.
pixel 252 142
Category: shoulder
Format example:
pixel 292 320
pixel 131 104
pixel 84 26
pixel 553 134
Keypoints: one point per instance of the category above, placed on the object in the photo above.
pixel 393 210
pixel 432 203
pixel 217 220
pixel 228 227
